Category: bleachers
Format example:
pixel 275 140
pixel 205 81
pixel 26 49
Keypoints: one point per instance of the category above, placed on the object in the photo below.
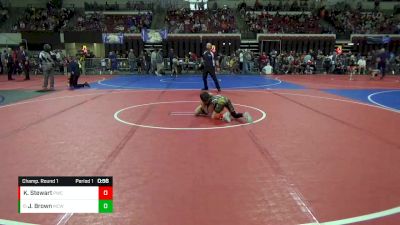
pixel 363 22
pixel 282 22
pixel 210 21
pixel 43 19
pixel 113 23
pixel 3 13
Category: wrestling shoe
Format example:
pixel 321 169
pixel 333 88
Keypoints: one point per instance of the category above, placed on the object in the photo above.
pixel 227 117
pixel 248 117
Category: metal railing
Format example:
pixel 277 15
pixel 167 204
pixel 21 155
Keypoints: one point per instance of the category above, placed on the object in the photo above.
pixel 99 65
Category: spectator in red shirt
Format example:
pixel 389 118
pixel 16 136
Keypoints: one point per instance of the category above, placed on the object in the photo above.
pixel 192 56
pixel 262 60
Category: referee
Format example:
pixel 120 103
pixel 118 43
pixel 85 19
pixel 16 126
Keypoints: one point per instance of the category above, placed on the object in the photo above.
pixel 209 68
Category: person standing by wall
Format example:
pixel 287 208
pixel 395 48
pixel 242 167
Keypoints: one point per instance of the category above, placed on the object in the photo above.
pixel 3 63
pixel 241 61
pixel 246 61
pixel 47 63
pixel 27 67
pixel 82 62
pixel 10 65
pixel 262 61
pixel 171 56
pixel 159 62
pixel 153 62
pixel 103 64
pixel 362 65
pixel 65 62
pixel 113 60
pixel 273 55
pixel 147 62
pixel 22 57
pixel 132 60
pixel 16 67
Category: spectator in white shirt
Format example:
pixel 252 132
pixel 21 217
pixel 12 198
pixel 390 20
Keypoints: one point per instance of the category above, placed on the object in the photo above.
pixel 362 65
pixel 241 61
pixel 267 70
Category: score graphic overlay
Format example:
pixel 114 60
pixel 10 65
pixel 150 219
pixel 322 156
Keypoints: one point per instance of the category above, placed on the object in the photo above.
pixel 65 194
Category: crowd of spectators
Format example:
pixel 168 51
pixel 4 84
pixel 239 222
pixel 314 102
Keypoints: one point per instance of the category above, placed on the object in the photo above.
pixel 283 5
pixel 130 5
pixel 343 19
pixel 113 23
pixel 349 21
pixel 100 7
pixel 89 22
pixel 3 13
pixel 315 62
pixel 282 23
pixel 205 21
pixel 273 62
pixel 346 20
pixel 50 18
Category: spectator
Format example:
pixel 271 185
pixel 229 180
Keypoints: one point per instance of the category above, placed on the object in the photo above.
pixel 132 60
pixel 47 63
pixel 171 56
pixel 267 70
pixel 234 64
pixel 241 60
pixel 82 63
pixel 327 64
pixel 26 67
pixel 193 57
pixel 114 62
pixel 247 58
pixel 103 64
pixel 159 63
pixel 146 62
pixel 10 65
pixel 153 61
pixel 263 60
pixel 273 54
pixel 65 63
pixel 3 62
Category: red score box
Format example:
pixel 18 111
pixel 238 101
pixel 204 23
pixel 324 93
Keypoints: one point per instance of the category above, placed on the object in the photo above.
pixel 105 193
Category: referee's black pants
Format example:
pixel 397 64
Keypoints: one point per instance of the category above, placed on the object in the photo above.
pixel 73 82
pixel 210 71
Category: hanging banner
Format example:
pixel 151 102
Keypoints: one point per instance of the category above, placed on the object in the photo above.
pixel 154 36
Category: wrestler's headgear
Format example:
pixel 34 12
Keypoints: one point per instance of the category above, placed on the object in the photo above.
pixel 205 96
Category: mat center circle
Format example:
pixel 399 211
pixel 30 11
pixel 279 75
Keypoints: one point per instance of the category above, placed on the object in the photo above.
pixel 179 115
